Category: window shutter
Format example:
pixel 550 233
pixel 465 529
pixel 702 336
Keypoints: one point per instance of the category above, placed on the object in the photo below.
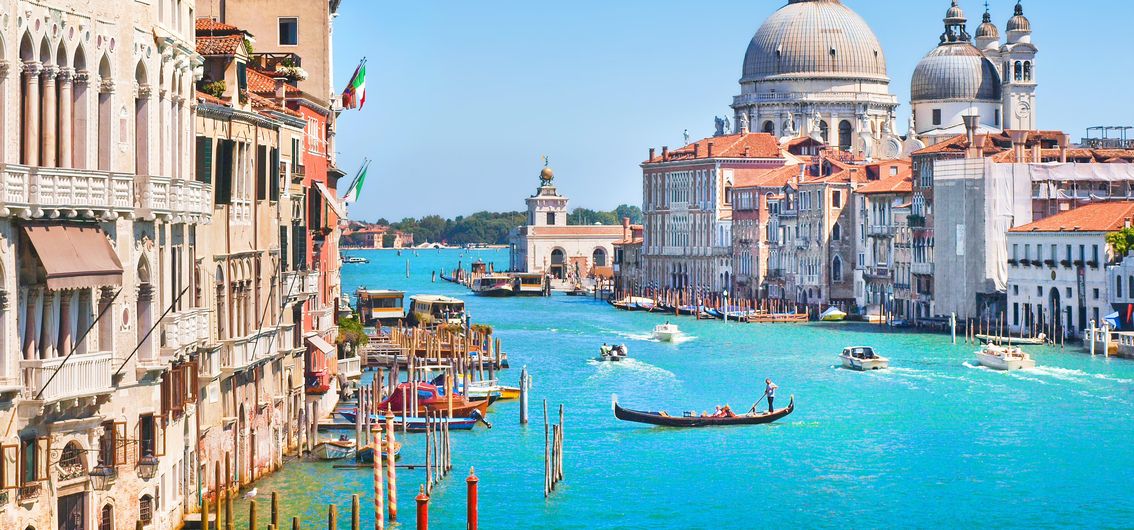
pixel 9 467
pixel 285 258
pixel 119 441
pixel 274 175
pixel 261 173
pixel 159 437
pixel 223 188
pixel 194 380
pixel 204 159
pixel 167 393
pixel 42 457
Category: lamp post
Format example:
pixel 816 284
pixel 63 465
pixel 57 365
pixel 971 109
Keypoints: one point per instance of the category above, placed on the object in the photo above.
pixel 147 466
pixel 725 312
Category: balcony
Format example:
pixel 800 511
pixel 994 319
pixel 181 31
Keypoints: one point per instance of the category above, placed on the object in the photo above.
pixel 166 197
pixel 285 339
pixel 29 492
pixel 300 284
pixel 85 375
pixel 922 269
pixel 350 367
pixel 73 192
pixel 878 273
pixel 184 328
pixel 238 354
pixel 209 363
pixel 881 230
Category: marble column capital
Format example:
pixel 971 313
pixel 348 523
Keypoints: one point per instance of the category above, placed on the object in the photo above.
pixel 106 86
pixel 82 77
pixel 145 91
pixel 66 75
pixel 33 69
pixel 49 73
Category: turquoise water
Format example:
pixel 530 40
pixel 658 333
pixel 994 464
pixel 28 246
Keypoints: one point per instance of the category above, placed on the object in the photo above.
pixel 932 442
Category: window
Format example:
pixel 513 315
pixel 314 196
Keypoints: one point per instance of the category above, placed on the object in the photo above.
pixel 1016 289
pixel 1039 291
pixel 1068 292
pixel 1095 293
pixel 146 509
pixel 996 119
pixel 1095 254
pixel 836 232
pixel 1016 314
pixel 1015 251
pixel 289 31
pixel 106 518
pixel 147 435
pixel 1118 285
pixel 937 116
pixel 836 199
pixel 837 269
pixel 242 78
pixel 551 218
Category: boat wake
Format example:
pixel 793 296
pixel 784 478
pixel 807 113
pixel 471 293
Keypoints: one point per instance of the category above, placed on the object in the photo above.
pixel 1063 374
pixel 605 368
pixel 649 337
pixel 1015 374
pixel 1111 378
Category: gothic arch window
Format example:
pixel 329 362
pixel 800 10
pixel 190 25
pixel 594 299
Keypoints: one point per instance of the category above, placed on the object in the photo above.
pixel 146 509
pixel 142 120
pixel 71 459
pixel 769 127
pixel 837 232
pixel 824 131
pixel 845 135
pixel 105 112
pixel 599 257
pixel 837 269
pixel 106 518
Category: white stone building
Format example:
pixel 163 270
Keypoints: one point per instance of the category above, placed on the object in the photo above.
pixel 993 80
pixel 1058 269
pixel 549 245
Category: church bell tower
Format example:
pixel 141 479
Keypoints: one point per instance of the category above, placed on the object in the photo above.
pixel 1019 55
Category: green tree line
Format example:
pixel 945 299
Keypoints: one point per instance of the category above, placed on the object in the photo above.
pixel 493 227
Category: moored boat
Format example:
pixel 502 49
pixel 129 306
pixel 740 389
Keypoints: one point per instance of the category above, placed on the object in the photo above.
pixel 379 306
pixel 666 332
pixel 996 339
pixel 417 424
pixel 494 285
pixel 863 358
pixel 832 314
pixel 691 419
pixel 429 400
pixel 1004 357
pixel 333 449
pixel 355 259
pixel 366 454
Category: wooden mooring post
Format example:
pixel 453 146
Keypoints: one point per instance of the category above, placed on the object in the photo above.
pixel 552 452
pixel 379 512
pixel 422 510
pixel 391 468
pixel 525 385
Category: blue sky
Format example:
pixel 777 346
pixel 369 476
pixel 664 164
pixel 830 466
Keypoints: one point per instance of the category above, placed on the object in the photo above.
pixel 464 97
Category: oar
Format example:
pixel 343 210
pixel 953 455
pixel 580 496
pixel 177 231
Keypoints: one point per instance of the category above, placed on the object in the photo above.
pixel 753 409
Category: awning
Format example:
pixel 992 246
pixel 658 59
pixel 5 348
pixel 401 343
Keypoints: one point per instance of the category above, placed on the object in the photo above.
pixel 75 256
pixel 332 200
pixel 319 344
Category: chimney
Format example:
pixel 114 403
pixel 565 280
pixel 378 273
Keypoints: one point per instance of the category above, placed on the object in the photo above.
pixel 1064 143
pixel 626 229
pixel 281 90
pixel 696 150
pixel 665 152
pixel 1126 223
pixel 651 153
pixel 1019 138
pixel 747 150
pixel 710 150
pixel 972 121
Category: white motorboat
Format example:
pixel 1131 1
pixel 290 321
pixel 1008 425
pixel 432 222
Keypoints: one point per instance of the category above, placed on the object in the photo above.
pixel 615 352
pixel 863 358
pixel 333 449
pixel 832 314
pixel 666 332
pixel 1004 357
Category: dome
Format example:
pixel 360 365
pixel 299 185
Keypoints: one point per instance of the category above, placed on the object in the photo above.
pixel 987 30
pixel 955 12
pixel 1019 22
pixel 814 38
pixel 955 71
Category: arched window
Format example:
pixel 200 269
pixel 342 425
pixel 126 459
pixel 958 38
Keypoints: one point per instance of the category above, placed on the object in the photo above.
pixel 837 269
pixel 837 232
pixel 769 127
pixel 142 121
pixel 106 518
pixel 1027 70
pixel 824 131
pixel 1019 75
pixel 146 509
pixel 845 135
pixel 105 113
pixel 598 258
pixel 71 460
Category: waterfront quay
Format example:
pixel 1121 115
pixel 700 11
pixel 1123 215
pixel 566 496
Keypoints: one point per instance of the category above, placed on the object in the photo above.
pixel 927 442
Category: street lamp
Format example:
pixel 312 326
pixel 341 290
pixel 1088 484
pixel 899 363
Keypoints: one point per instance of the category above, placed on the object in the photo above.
pixel 147 466
pixel 102 477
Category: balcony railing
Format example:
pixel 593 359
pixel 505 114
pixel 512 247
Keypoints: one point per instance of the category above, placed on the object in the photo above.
pixel 81 191
pixel 300 283
pixel 184 328
pixel 237 354
pixel 29 492
pixel 881 230
pixel 350 367
pixel 169 197
pixel 285 339
pixel 210 362
pixel 83 376
pixel 924 269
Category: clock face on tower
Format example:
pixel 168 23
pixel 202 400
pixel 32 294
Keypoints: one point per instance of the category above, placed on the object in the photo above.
pixel 1023 110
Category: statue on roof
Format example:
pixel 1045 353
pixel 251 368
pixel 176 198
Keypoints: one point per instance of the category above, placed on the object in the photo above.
pixel 685 135
pixel 719 123
pixel 742 122
pixel 727 126
pixel 789 126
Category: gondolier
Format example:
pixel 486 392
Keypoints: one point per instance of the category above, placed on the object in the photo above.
pixel 770 392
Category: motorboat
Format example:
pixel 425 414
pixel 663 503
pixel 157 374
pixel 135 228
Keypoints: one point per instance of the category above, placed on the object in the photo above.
pixel 334 449
pixel 440 310
pixel 1000 357
pixel 612 352
pixel 379 306
pixel 863 358
pixel 366 454
pixel 666 332
pixel 832 314
pixel 355 259
pixel 419 423
pixel 429 400
pixel 996 339
pixel 494 285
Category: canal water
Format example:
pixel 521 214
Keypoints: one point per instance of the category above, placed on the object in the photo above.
pixel 934 441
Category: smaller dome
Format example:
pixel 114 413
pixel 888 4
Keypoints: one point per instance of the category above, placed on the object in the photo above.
pixel 1019 22
pixel 955 12
pixel 987 30
pixel 956 71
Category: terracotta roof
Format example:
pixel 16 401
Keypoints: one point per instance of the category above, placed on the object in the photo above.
pixel 764 178
pixel 751 145
pixel 1093 217
pixel 993 143
pixel 263 103
pixel 898 184
pixel 225 45
pixel 201 96
pixel 265 85
pixel 211 27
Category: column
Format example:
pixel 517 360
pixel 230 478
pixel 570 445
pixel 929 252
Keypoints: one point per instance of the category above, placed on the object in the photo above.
pixel 31 331
pixel 66 115
pixel 50 116
pixel 64 344
pixel 106 323
pixel 31 113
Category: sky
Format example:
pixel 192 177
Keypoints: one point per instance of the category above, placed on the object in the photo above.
pixel 464 98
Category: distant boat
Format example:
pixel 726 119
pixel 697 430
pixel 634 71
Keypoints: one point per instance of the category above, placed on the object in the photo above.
pixel 417 424
pixel 366 454
pixel 666 332
pixel 832 314
pixel 355 259
pixel 1004 357
pixel 613 352
pixel 863 358
pixel 691 419
pixel 494 285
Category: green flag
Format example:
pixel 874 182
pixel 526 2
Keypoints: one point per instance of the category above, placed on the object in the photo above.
pixel 356 189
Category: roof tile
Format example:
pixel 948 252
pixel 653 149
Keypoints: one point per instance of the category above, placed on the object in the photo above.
pixel 1093 217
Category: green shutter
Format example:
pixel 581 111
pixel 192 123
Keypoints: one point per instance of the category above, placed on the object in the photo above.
pixel 204 159
pixel 274 175
pixel 223 189
pixel 261 173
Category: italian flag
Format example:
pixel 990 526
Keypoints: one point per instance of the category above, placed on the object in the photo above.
pixel 356 188
pixel 354 97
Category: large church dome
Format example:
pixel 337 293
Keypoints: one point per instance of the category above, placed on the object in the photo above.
pixel 814 38
pixel 955 71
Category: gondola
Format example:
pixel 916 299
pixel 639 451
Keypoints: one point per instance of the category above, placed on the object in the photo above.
pixel 665 420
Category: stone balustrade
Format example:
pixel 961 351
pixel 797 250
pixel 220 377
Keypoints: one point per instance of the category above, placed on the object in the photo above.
pixel 39 191
pixel 83 375
pixel 350 367
pixel 238 354
pixel 163 196
pixel 184 328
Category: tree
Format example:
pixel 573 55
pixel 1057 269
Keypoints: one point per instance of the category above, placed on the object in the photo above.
pixel 382 222
pixel 388 240
pixel 1121 241
pixel 629 210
